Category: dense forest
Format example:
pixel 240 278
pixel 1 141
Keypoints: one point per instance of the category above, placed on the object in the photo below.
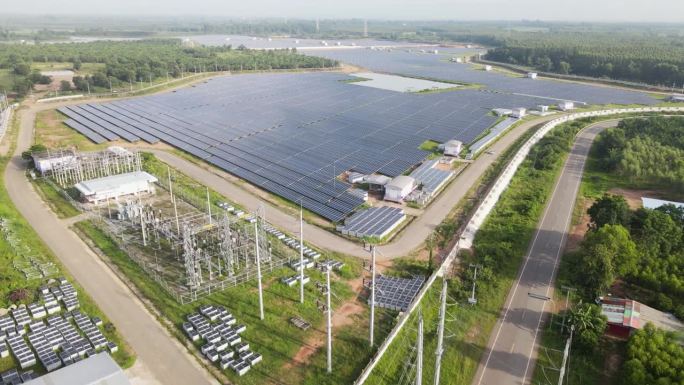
pixel 143 60
pixel 643 58
pixel 645 150
pixel 654 357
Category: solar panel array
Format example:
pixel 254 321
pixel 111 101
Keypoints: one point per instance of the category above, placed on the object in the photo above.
pixel 430 177
pixel 373 222
pixel 399 61
pixel 396 293
pixel 293 134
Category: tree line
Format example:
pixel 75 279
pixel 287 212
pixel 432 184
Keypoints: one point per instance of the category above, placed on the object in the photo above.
pixel 144 60
pixel 643 58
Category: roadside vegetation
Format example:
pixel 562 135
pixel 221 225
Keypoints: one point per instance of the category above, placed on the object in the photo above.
pixel 499 247
pixel 632 253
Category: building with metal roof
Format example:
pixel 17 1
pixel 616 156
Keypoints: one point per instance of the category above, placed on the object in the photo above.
pixel 399 188
pixel 651 203
pixel 116 186
pixel 99 369
pixel 626 315
pixel 453 147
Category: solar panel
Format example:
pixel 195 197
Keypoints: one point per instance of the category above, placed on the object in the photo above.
pixel 296 135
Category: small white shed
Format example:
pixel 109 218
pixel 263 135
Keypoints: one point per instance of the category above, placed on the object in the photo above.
pixel 453 147
pixel 518 112
pixel 399 188
pixel 532 75
pixel 566 105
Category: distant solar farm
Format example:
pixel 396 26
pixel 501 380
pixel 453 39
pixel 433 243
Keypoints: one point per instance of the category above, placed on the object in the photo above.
pixel 294 135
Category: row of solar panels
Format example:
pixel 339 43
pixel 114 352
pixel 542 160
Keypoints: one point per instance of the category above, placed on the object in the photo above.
pixel 433 66
pixel 289 140
pixel 430 177
pixel 373 222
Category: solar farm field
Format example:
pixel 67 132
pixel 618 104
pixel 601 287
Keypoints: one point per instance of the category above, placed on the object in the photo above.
pixel 294 134
pixel 437 66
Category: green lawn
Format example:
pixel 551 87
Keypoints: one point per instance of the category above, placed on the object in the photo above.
pixel 57 202
pixel 429 145
pixel 275 337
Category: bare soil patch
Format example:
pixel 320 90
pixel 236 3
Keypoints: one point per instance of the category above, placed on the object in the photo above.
pixel 633 197
pixel 578 231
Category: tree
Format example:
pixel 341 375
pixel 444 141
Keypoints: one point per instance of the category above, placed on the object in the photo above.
pixel 65 85
pixel 21 69
pixel 604 255
pixel 77 65
pixel 564 68
pixel 589 325
pixel 658 234
pixel 609 210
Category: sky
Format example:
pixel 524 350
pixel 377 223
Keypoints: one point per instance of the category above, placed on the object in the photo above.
pixel 558 10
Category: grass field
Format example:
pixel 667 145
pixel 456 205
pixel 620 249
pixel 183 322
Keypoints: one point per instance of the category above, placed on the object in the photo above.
pixel 51 132
pixel 12 279
pixel 274 337
pixel 57 202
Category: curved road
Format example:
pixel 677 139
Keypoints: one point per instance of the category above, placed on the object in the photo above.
pixel 167 362
pixel 511 351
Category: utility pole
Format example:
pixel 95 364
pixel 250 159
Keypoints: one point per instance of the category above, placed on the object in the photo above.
pixel 142 221
pixel 327 308
pixel 566 357
pixel 301 253
pixel 419 357
pixel 567 303
pixel 327 273
pixel 372 297
pixel 472 300
pixel 258 263
pixel 209 206
pixel 173 199
pixel 440 332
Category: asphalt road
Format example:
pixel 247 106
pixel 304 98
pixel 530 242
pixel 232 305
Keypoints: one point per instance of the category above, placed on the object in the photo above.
pixel 409 239
pixel 510 356
pixel 165 359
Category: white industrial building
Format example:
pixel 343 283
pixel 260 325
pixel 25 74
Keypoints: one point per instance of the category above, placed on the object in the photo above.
pixel 99 369
pixel 399 188
pixel 518 112
pixel 652 203
pixel 115 186
pixel 376 182
pixel 453 147
pixel 502 111
pixel 676 98
pixel 566 106
pixel 532 75
pixel 47 162
pixel 487 68
pixel 543 108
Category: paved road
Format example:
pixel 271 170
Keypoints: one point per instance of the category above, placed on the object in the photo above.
pixel 166 360
pixel 408 240
pixel 511 352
